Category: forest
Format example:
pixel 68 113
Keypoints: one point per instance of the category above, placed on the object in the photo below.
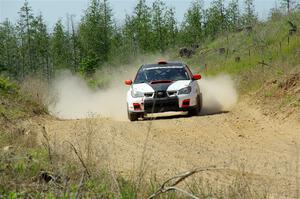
pixel 28 47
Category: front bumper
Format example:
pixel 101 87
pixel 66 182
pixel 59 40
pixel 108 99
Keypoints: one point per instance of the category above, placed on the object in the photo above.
pixel 160 105
pixel 165 104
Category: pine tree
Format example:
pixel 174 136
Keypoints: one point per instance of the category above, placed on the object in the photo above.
pixel 9 57
pixel 107 27
pixel 130 40
pixel 95 36
pixel 286 4
pixel 249 16
pixel 215 19
pixel 171 26
pixel 74 45
pixel 159 25
pixel 59 47
pixel 233 15
pixel 142 24
pixel 25 36
pixel 41 42
pixel 192 27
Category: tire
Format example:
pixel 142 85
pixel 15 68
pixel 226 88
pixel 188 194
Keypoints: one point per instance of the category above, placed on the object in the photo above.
pixel 133 116
pixel 200 102
pixel 196 111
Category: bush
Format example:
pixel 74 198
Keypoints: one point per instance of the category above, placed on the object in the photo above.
pixel 7 86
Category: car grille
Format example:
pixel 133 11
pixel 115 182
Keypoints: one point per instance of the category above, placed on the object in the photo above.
pixel 160 94
pixel 161 105
pixel 148 94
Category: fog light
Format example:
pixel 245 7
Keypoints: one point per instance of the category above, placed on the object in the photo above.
pixel 186 103
pixel 137 106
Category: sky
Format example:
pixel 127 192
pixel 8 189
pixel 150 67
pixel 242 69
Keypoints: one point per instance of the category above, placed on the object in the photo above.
pixel 53 10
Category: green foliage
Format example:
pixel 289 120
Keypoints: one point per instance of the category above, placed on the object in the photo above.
pixel 13 105
pixel 216 19
pixel 142 26
pixel 127 189
pixel 95 35
pixel 88 66
pixel 233 16
pixel 6 85
pixel 249 17
pixel 12 195
pixel 60 50
pixel 193 23
pixel 9 58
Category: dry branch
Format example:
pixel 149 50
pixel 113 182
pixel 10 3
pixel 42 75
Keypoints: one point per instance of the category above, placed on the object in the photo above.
pixel 47 144
pixel 80 158
pixel 164 188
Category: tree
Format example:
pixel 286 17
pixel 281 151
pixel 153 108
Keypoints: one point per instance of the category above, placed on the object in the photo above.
pixel 9 57
pixel 142 24
pixel 95 33
pixel 41 42
pixel 72 35
pixel 25 37
pixel 249 16
pixel 192 27
pixel 159 25
pixel 215 19
pixel 171 26
pixel 286 4
pixel 60 50
pixel 233 15
pixel 107 25
pixel 130 41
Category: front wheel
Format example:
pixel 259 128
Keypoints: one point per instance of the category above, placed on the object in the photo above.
pixel 132 116
pixel 196 111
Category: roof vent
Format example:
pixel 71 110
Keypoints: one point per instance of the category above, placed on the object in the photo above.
pixel 162 62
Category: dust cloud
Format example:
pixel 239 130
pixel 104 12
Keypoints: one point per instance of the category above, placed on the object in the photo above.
pixel 76 100
pixel 219 94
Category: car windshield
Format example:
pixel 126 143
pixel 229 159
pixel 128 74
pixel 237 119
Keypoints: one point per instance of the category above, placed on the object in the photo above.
pixel 169 73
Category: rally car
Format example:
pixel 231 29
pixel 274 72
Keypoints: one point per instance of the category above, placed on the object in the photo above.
pixel 162 87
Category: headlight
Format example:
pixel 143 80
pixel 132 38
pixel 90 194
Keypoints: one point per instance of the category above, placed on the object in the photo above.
pixel 136 94
pixel 186 90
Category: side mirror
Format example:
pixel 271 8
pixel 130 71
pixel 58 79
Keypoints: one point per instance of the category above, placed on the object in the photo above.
pixel 128 82
pixel 196 77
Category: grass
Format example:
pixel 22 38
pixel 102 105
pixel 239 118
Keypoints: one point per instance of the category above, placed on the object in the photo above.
pixel 14 105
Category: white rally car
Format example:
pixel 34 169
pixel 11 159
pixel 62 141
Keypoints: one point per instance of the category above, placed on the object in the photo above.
pixel 163 87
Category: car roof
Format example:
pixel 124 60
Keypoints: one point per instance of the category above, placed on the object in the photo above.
pixel 164 64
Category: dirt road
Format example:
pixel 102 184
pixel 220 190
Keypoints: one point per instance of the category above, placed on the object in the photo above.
pixel 243 139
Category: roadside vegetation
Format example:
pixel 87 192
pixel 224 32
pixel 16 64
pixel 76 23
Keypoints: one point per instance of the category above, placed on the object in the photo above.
pixel 262 56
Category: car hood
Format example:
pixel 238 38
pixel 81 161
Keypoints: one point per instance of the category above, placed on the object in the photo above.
pixel 144 87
